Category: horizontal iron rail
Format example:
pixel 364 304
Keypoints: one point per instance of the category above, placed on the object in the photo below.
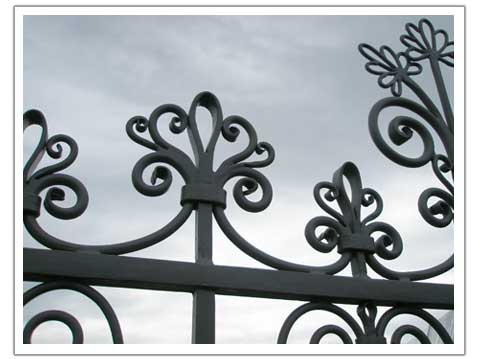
pixel 154 274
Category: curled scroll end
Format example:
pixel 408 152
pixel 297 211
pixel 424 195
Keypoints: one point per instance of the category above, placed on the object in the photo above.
pixel 230 132
pixel 261 148
pixel 136 125
pixel 399 134
pixel 328 239
pixel 160 172
pixel 389 245
pixel 54 149
pixel 56 194
pixel 369 197
pixel 140 122
pixel 382 245
pixel 163 173
pixel 331 195
pixel 440 214
pixel 178 124
pixel 401 129
pixel 246 186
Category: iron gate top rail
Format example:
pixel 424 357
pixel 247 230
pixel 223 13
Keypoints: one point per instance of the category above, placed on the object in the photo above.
pixel 353 235
pixel 142 273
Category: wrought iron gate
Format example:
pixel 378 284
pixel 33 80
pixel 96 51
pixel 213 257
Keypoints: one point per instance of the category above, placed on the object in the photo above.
pixel 66 265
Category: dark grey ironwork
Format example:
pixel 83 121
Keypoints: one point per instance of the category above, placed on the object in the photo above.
pixel 67 265
pixel 423 42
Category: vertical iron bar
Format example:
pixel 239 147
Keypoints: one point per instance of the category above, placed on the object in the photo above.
pixel 442 92
pixel 358 265
pixel 203 320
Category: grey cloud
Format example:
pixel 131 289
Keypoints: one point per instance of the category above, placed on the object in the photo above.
pixel 300 81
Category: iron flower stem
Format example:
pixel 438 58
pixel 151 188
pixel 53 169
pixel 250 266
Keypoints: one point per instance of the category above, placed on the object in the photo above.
pixel 442 92
pixel 422 95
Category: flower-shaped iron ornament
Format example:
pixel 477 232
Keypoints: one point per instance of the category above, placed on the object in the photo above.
pixel 347 230
pixel 392 68
pixel 202 182
pixel 423 41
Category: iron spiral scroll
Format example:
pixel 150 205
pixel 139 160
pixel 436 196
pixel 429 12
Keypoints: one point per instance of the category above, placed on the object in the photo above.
pixel 202 183
pixel 423 42
pixel 359 238
pixel 69 320
pixel 371 331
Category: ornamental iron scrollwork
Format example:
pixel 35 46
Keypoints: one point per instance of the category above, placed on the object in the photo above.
pixel 202 182
pixel 423 42
pixel 35 182
pixel 348 231
pixel 69 320
pixel 371 331
pixel 410 329
pixel 358 237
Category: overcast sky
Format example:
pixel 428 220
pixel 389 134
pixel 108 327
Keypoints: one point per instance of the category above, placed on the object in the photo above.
pixel 301 83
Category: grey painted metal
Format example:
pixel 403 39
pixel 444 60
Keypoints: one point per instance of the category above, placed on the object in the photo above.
pixel 203 321
pixel 430 319
pixel 68 265
pixel 155 274
pixel 365 335
pixel 69 320
pixel 423 42
pixel 54 315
